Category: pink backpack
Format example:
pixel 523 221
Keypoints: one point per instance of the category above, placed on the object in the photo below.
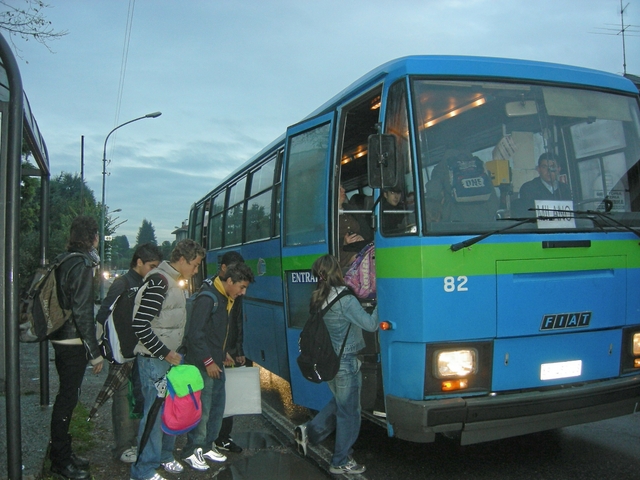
pixel 182 407
pixel 361 276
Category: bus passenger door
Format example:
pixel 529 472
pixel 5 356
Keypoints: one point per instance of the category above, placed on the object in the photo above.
pixel 305 221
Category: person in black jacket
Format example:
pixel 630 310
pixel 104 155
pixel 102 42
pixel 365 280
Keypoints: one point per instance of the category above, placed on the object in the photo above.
pixel 235 352
pixel 205 341
pixel 74 343
pixel 125 429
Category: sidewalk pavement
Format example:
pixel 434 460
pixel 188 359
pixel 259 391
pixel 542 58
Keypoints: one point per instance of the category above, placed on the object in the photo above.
pixel 268 452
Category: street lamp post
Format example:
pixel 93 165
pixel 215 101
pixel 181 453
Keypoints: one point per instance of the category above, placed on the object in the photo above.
pixel 103 206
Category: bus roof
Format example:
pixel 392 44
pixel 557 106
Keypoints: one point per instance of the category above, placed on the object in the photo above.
pixel 466 66
pixel 484 67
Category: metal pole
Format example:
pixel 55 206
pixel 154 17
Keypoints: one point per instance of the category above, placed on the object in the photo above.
pixel 103 208
pixel 44 248
pixel 12 242
pixel 82 175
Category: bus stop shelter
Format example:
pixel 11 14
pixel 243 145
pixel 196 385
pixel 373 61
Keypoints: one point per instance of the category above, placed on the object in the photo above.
pixel 18 128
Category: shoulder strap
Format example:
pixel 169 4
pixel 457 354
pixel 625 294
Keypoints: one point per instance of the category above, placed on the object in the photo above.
pixel 343 293
pixel 212 296
pixel 63 258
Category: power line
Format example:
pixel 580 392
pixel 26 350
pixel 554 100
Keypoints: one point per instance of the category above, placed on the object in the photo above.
pixel 123 69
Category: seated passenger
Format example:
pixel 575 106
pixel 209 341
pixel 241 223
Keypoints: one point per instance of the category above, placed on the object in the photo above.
pixel 351 236
pixel 545 187
pixel 357 202
pixel 460 190
pixel 391 222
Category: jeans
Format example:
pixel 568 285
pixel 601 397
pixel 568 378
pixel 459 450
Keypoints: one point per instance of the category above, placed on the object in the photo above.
pixel 125 428
pixel 71 363
pixel 206 432
pixel 342 413
pixel 159 447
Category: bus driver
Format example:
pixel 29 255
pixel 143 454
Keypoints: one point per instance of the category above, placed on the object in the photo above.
pixel 546 186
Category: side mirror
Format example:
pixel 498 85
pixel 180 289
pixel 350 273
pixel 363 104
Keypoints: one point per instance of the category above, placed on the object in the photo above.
pixel 382 164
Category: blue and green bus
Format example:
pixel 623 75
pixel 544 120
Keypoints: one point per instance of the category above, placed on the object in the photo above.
pixel 500 315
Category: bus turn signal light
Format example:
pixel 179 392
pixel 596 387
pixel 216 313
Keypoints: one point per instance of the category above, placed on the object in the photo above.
pixel 451 385
pixel 386 326
pixel 636 363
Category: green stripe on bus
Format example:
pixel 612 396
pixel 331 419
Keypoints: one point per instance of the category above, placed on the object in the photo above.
pixel 438 260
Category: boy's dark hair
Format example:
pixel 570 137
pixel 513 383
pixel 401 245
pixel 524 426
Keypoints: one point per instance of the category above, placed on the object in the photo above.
pixel 238 272
pixel 187 248
pixel 147 252
pixel 82 233
pixel 231 257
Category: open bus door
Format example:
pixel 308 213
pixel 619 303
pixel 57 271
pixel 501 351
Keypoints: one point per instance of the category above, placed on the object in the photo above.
pixel 305 236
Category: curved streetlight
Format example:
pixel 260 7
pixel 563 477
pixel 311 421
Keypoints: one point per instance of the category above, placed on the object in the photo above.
pixel 104 208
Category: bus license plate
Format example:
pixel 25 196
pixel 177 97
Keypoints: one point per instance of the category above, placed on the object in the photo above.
pixel 552 371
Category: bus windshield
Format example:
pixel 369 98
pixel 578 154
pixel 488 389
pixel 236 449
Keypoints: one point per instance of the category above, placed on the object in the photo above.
pixel 493 151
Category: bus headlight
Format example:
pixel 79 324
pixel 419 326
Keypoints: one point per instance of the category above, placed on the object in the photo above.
pixel 456 363
pixel 636 343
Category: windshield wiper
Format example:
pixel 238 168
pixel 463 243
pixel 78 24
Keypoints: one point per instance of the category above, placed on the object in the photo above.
pixel 590 214
pixel 472 241
pixel 605 216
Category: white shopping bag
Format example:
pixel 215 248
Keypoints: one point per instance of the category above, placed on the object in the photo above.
pixel 242 387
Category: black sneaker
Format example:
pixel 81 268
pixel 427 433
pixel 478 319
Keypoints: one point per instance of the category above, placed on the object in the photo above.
pixel 80 462
pixel 70 471
pixel 228 445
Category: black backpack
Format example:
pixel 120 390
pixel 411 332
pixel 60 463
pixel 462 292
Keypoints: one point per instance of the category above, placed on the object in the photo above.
pixel 318 360
pixel 118 338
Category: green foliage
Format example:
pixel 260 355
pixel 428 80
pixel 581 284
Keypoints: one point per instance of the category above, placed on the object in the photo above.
pixel 121 253
pixel 166 249
pixel 69 197
pixel 28 200
pixel 146 233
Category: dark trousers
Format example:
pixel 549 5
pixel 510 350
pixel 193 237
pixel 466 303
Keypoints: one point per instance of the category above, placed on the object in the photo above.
pixel 225 429
pixel 71 363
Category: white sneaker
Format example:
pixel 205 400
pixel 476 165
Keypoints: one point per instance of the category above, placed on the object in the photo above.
pixel 155 477
pixel 130 455
pixel 300 436
pixel 196 461
pixel 173 467
pixel 214 455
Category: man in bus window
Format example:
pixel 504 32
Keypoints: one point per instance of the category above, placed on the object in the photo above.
pixel 546 186
pixel 390 203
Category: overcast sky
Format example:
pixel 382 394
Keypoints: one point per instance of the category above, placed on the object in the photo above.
pixel 230 76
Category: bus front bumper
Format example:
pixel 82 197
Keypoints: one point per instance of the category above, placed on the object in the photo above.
pixel 492 417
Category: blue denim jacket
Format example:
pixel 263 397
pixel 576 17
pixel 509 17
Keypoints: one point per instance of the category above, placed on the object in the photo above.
pixel 344 311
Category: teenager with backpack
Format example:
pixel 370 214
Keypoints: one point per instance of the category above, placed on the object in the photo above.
pixel 205 341
pixel 74 343
pixel 125 429
pixel 345 318
pixel 159 319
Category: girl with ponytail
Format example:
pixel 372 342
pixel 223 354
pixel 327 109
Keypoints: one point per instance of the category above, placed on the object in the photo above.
pixel 342 413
